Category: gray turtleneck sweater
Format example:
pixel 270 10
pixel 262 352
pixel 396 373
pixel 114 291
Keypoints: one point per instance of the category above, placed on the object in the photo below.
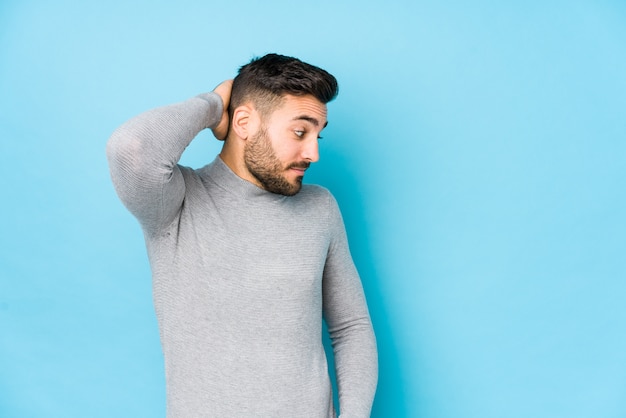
pixel 242 278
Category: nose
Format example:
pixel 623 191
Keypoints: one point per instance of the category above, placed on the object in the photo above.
pixel 310 150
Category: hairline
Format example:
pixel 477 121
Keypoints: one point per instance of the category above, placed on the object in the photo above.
pixel 267 106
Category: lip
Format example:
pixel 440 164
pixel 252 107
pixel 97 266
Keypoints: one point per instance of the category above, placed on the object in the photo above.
pixel 298 170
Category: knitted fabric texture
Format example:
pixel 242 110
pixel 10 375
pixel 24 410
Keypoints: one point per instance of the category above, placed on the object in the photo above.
pixel 242 279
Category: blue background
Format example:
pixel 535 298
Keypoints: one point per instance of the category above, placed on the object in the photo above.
pixel 477 149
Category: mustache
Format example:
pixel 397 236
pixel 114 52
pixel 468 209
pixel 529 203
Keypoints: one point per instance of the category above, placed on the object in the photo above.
pixel 302 164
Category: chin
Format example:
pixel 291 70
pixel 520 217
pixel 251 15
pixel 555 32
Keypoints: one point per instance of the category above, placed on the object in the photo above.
pixel 294 189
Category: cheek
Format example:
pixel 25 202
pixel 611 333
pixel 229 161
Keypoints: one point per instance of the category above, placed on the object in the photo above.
pixel 286 150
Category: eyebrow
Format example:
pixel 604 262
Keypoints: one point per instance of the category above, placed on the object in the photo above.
pixel 310 119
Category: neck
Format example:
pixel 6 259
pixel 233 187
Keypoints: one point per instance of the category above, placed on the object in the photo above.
pixel 232 155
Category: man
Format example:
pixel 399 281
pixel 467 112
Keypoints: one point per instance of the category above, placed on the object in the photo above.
pixel 246 261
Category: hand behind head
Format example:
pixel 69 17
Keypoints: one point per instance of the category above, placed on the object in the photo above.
pixel 223 90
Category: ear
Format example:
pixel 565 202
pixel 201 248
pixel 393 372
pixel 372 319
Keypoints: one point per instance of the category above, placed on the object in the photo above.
pixel 244 121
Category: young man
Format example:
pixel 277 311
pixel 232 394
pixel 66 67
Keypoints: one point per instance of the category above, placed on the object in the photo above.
pixel 246 261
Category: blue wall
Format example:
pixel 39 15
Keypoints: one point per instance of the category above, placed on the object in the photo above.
pixel 478 151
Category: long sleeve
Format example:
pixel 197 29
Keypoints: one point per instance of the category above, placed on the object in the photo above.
pixel 144 152
pixel 350 327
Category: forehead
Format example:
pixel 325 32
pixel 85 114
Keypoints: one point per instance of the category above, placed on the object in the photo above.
pixel 307 108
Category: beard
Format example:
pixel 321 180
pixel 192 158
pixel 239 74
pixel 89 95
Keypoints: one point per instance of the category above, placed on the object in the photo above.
pixel 262 163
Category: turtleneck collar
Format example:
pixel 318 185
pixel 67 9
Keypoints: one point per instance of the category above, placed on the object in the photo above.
pixel 224 177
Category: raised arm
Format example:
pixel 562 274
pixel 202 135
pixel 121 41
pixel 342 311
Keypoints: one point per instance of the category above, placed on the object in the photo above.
pixel 350 327
pixel 144 152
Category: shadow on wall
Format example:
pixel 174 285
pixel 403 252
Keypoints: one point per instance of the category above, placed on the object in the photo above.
pixel 343 182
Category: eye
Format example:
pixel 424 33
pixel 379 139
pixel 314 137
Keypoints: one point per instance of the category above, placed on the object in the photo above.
pixel 300 133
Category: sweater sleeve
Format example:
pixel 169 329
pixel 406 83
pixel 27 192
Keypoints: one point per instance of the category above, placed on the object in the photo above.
pixel 349 325
pixel 144 152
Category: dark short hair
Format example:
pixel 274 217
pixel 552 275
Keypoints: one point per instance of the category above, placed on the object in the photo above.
pixel 266 80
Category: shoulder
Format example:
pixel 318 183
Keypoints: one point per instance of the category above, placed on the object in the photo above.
pixel 313 193
pixel 195 179
pixel 319 199
pixel 189 174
